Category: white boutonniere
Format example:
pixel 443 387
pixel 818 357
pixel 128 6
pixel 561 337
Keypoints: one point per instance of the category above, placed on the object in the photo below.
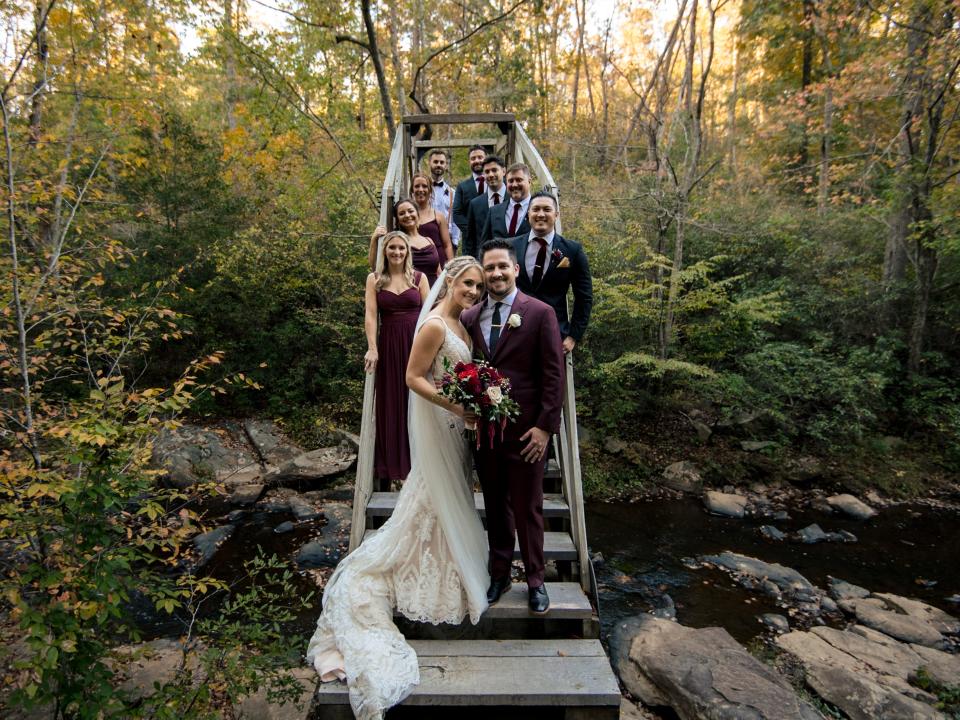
pixel 514 320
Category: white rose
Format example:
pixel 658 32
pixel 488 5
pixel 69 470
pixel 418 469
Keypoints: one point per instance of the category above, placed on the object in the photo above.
pixel 514 320
pixel 495 394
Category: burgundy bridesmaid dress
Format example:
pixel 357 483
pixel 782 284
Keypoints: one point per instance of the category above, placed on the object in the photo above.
pixel 398 321
pixel 432 230
pixel 425 260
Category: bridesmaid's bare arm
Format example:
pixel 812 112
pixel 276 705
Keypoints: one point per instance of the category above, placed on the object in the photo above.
pixel 370 323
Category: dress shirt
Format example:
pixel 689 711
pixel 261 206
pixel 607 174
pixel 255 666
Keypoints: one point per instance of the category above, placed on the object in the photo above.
pixel 443 202
pixel 502 192
pixel 486 315
pixel 524 204
pixel 533 247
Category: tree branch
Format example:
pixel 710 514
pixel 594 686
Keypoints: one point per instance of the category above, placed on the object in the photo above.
pixel 26 50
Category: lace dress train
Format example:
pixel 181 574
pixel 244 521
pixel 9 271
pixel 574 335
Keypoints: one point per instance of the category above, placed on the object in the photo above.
pixel 428 561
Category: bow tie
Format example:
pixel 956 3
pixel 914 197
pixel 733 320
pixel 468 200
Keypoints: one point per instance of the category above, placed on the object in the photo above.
pixel 439 184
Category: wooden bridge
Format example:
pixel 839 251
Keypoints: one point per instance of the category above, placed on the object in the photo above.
pixel 514 663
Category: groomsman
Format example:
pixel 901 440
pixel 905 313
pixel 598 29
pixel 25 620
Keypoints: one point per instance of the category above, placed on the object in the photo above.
pixel 550 265
pixel 480 206
pixel 509 219
pixel 443 192
pixel 468 189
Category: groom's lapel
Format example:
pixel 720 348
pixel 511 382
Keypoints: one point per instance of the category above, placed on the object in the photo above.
pixel 508 333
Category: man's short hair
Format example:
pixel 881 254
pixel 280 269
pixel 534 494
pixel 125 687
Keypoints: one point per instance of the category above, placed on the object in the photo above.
pixel 438 151
pixel 546 194
pixel 498 243
pixel 493 159
pixel 520 167
pixel 481 148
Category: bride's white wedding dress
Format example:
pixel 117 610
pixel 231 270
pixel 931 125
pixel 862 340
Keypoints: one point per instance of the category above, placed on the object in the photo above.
pixel 428 561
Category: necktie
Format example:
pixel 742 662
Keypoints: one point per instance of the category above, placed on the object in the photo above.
pixel 513 220
pixel 496 198
pixel 541 259
pixel 495 324
pixel 480 185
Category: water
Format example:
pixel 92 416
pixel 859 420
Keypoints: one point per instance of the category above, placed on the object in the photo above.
pixel 906 550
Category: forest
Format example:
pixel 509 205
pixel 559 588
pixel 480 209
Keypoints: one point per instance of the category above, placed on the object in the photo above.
pixel 768 193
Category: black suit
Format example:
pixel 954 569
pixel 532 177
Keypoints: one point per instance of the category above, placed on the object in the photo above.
pixel 472 237
pixel 466 191
pixel 555 282
pixel 497 224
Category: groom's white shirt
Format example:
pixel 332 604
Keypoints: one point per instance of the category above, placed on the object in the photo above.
pixel 486 315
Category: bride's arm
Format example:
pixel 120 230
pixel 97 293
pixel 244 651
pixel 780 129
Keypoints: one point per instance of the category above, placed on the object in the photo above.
pixel 426 344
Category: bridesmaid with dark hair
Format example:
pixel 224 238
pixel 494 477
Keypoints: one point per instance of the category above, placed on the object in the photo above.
pixel 426 259
pixel 395 292
pixel 433 224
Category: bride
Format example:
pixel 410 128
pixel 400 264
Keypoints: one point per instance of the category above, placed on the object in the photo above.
pixel 429 560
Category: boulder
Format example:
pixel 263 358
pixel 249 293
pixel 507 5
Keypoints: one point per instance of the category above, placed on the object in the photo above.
pixel 327 550
pixel 683 476
pixel 842 590
pixel 270 443
pixel 864 678
pixel 206 544
pixel 705 673
pixel 804 469
pixel 787 580
pixel 259 707
pixel 284 527
pixel 756 445
pixel 935 617
pixel 703 430
pixel 812 534
pixel 777 623
pixel 726 504
pixel 246 495
pixel 312 466
pixel 153 663
pixel 620 641
pixel 897 625
pixel 772 533
pixel 851 506
pixel 301 509
pixel 190 454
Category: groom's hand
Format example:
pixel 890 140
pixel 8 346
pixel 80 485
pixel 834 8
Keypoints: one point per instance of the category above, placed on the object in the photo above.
pixel 536 447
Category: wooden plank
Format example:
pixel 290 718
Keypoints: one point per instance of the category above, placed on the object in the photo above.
pixel 553 469
pixel 573 484
pixel 567 602
pixel 528 673
pixel 382 504
pixel 363 482
pixel 458 118
pixel 556 546
pixel 457 142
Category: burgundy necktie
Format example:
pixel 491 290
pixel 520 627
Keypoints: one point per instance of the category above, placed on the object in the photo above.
pixel 480 185
pixel 513 220
pixel 496 198
pixel 541 259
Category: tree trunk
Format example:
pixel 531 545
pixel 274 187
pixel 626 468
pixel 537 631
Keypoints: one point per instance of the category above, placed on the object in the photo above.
pixel 398 81
pixel 39 84
pixel 806 75
pixel 374 49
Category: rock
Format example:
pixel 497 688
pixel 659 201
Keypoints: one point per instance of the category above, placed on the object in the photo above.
pixel 683 476
pixel 812 534
pixel 829 605
pixel 935 617
pixel 842 590
pixel 326 551
pixel 664 607
pixel 352 439
pixel 191 454
pixel 744 422
pixel 771 533
pixel 804 469
pixel 154 663
pixel 269 441
pixel 780 516
pixel 842 536
pixel 597 558
pixel 246 495
pixel 705 673
pixel 258 707
pixel 872 497
pixel 896 625
pixel 725 504
pixel 301 509
pixel 703 430
pixel 787 580
pixel 848 682
pixel 851 506
pixel 756 445
pixel 943 668
pixel 339 516
pixel 777 623
pixel 206 544
pixel 631 711
pixel 620 641
pixel 318 553
pixel 312 466
pixel 614 445
pixel 284 527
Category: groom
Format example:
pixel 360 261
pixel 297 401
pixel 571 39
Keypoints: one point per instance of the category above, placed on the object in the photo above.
pixel 519 336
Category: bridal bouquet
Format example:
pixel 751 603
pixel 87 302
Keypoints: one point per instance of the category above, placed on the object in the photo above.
pixel 480 388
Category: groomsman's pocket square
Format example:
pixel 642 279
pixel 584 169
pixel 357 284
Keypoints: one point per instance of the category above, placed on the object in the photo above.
pixel 563 263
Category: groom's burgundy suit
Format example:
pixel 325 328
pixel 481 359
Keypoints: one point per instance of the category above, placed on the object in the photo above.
pixel 532 357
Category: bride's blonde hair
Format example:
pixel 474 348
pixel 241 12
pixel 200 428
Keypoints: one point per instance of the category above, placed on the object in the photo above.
pixel 382 271
pixel 454 269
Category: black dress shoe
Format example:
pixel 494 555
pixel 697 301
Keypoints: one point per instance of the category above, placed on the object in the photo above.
pixel 539 601
pixel 496 589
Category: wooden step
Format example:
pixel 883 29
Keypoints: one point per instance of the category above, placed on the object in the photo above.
pixel 567 602
pixel 382 504
pixel 553 469
pixel 556 546
pixel 527 673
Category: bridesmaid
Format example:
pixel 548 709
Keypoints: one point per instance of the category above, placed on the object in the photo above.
pixel 426 259
pixel 433 224
pixel 396 292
